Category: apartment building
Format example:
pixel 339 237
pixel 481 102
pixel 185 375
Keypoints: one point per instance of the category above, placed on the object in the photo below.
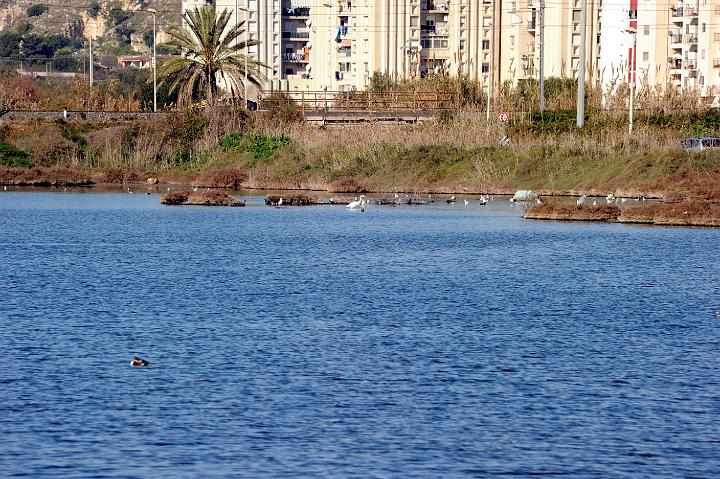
pixel 336 45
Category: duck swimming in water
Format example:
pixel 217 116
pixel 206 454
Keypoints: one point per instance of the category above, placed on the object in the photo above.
pixel 138 362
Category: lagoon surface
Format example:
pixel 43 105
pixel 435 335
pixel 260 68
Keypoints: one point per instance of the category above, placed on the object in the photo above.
pixel 425 341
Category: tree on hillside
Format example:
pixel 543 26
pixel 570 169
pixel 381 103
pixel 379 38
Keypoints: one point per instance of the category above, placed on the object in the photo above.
pixel 210 55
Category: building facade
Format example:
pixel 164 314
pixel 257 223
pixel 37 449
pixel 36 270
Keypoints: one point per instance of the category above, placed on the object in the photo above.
pixel 337 45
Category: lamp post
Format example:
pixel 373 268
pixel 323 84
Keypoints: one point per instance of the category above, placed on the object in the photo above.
pixel 154 59
pixel 631 68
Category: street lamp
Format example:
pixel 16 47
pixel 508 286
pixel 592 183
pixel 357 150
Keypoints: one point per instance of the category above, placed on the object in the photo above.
pixel 154 59
pixel 631 68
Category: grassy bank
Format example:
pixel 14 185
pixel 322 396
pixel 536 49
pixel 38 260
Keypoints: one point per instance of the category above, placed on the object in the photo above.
pixel 685 213
pixel 453 154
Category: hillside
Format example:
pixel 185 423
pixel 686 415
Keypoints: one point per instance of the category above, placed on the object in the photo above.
pixel 118 27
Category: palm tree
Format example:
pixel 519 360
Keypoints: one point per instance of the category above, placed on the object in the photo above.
pixel 209 55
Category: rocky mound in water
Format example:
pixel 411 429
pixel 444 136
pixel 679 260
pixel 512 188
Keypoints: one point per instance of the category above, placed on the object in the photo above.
pixel 200 198
pixel 293 200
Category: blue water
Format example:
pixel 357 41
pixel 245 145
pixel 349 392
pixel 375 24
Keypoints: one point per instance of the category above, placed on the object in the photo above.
pixel 438 341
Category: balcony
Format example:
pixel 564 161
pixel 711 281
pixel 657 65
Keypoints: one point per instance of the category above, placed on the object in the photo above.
pixel 296 57
pixel 674 63
pixel 303 12
pixel 302 36
pixel 345 52
pixel 690 64
pixel 531 25
pixel 676 38
pixel 691 12
pixel 691 38
pixel 427 28
pixel 436 6
pixel 677 12
pixel 716 62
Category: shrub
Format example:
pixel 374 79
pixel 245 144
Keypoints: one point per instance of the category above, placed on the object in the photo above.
pixel 13 157
pixel 37 10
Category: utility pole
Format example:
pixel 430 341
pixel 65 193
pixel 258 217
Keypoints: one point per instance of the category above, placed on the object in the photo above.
pixel 154 58
pixel 542 55
pixel 91 66
pixel 581 72
pixel 631 67
pixel 490 66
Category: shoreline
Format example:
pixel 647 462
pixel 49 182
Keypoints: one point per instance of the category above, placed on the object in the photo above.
pixel 686 213
pixel 65 178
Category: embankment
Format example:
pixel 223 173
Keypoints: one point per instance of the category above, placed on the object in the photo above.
pixel 686 213
pixel 458 155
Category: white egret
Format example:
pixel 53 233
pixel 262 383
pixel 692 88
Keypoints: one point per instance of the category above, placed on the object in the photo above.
pixel 466 202
pixel 354 204
pixel 581 201
pixel 280 202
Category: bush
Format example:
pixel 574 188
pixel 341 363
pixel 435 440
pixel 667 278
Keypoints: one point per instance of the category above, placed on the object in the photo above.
pixel 37 10
pixel 13 157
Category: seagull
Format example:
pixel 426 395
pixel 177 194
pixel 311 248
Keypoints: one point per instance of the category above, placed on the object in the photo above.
pixel 138 362
pixel 581 201
pixel 280 202
pixel 451 200
pixel 483 200
pixel 466 202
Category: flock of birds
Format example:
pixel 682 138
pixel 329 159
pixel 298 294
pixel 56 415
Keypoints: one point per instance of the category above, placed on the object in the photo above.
pixel 609 199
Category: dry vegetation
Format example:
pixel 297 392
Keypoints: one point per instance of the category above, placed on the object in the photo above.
pixel 200 198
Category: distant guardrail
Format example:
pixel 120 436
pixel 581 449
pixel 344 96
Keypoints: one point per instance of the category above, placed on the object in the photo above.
pixel 79 115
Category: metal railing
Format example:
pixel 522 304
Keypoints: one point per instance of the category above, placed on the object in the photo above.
pixel 358 101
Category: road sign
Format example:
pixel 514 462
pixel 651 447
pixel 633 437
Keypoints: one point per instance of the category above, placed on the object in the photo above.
pixel 503 117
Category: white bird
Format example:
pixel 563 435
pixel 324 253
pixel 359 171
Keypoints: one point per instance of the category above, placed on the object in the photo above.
pixel 280 202
pixel 354 204
pixel 581 201
pixel 4 188
pixel 129 190
pixel 538 201
pixel 362 203
pixel 483 200
pixel 594 203
pixel 466 202
pixel 623 200
pixel 451 200
pixel 195 189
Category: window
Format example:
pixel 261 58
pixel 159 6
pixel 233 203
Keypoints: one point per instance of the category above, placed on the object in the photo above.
pixel 486 45
pixel 512 41
pixel 462 22
pixel 487 22
pixel 425 43
pixel 576 16
pixel 576 39
pixel 252 4
pixel 702 55
pixel 462 44
pixel 252 27
pixel 345 66
pixel 440 43
pixel 646 56
pixel 485 68
pixel 704 27
pixel 366 21
pixel 414 21
pixel 646 30
pixel 289 71
pixel 366 44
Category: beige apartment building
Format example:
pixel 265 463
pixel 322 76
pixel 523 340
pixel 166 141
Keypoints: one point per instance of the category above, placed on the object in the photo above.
pixel 337 45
